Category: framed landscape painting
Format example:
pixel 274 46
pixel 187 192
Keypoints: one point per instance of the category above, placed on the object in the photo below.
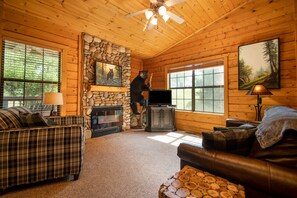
pixel 258 63
pixel 108 74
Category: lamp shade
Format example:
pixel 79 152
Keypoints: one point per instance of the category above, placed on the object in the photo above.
pixel 148 14
pixel 162 10
pixel 258 90
pixel 165 17
pixel 53 98
pixel 154 21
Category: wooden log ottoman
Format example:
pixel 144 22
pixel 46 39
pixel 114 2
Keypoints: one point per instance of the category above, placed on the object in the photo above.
pixel 191 183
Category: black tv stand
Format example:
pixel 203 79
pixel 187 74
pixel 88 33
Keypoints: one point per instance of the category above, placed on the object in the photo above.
pixel 160 118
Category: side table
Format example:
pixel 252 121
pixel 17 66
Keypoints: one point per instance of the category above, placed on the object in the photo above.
pixel 193 183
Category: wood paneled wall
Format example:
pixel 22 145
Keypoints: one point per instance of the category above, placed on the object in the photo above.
pixel 136 66
pixel 22 27
pixel 256 21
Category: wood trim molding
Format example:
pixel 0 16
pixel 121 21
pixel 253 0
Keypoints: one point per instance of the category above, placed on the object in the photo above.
pixel 80 74
pixel 107 88
pixel 63 78
pixel 32 40
pixel 295 19
pixel 226 87
pixel 198 60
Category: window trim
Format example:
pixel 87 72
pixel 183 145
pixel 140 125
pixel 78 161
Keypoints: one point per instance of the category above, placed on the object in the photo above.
pixel 63 49
pixel 225 59
pixel 194 87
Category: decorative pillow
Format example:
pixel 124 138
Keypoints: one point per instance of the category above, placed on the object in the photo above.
pixel 9 118
pixel 51 122
pixel 235 140
pixel 32 120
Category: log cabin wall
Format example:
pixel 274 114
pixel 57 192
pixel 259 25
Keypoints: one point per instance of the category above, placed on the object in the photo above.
pixel 136 66
pixel 24 28
pixel 256 21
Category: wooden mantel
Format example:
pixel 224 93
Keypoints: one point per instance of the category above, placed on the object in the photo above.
pixel 107 88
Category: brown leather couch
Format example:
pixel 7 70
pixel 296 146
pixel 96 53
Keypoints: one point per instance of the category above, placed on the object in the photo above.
pixel 270 172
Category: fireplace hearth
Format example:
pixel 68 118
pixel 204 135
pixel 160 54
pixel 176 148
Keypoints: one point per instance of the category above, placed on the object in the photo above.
pixel 106 120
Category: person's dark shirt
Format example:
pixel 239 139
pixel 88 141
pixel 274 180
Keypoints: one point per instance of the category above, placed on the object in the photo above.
pixel 137 87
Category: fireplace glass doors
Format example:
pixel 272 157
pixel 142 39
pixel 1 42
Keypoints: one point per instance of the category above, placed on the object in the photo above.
pixel 106 120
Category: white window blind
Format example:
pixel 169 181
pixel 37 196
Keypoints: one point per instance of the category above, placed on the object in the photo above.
pixel 27 72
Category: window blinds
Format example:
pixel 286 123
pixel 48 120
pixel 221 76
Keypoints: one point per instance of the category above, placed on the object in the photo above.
pixel 27 72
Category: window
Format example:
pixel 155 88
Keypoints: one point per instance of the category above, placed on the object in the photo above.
pixel 27 72
pixel 199 90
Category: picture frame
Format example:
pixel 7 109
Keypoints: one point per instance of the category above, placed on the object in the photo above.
pixel 108 74
pixel 259 63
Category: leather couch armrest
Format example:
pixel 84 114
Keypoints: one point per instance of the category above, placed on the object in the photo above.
pixel 232 122
pixel 251 172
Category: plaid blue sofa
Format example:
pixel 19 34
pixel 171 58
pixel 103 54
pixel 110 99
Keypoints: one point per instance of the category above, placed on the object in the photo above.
pixel 38 153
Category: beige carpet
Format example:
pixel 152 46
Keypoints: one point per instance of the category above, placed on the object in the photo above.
pixel 123 165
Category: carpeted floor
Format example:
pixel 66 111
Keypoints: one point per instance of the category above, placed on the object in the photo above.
pixel 123 165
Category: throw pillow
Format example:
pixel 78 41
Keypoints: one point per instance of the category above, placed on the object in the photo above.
pixel 235 140
pixel 32 119
pixel 51 122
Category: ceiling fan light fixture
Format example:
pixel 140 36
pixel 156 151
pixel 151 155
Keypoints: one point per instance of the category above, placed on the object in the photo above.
pixel 165 17
pixel 154 21
pixel 148 14
pixel 162 10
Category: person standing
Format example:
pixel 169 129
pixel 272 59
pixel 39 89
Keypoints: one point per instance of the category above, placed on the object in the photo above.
pixel 137 87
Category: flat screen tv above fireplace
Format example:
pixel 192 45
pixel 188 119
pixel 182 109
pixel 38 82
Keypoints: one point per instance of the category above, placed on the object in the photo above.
pixel 160 97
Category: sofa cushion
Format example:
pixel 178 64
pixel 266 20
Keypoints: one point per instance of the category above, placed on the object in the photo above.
pixel 235 140
pixel 32 120
pixel 9 118
pixel 226 129
pixel 283 153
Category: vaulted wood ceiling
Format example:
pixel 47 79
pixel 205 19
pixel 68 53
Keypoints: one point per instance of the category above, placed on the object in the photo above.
pixel 107 20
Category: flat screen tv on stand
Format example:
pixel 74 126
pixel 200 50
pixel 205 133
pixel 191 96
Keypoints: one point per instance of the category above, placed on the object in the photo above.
pixel 159 97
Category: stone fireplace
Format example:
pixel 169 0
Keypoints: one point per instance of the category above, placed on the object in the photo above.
pixel 96 49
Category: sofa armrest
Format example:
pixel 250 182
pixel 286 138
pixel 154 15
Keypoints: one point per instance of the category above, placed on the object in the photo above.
pixel 232 122
pixel 251 172
pixel 39 153
pixel 68 120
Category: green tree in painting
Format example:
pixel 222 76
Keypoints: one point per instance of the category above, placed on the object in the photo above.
pixel 270 53
pixel 244 72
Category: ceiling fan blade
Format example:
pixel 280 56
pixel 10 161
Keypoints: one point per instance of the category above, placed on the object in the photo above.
pixel 173 2
pixel 174 17
pixel 136 13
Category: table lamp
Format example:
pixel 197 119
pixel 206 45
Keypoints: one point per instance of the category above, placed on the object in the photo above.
pixel 53 98
pixel 258 90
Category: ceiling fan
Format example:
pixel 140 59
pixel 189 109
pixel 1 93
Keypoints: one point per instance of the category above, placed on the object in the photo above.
pixel 158 9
